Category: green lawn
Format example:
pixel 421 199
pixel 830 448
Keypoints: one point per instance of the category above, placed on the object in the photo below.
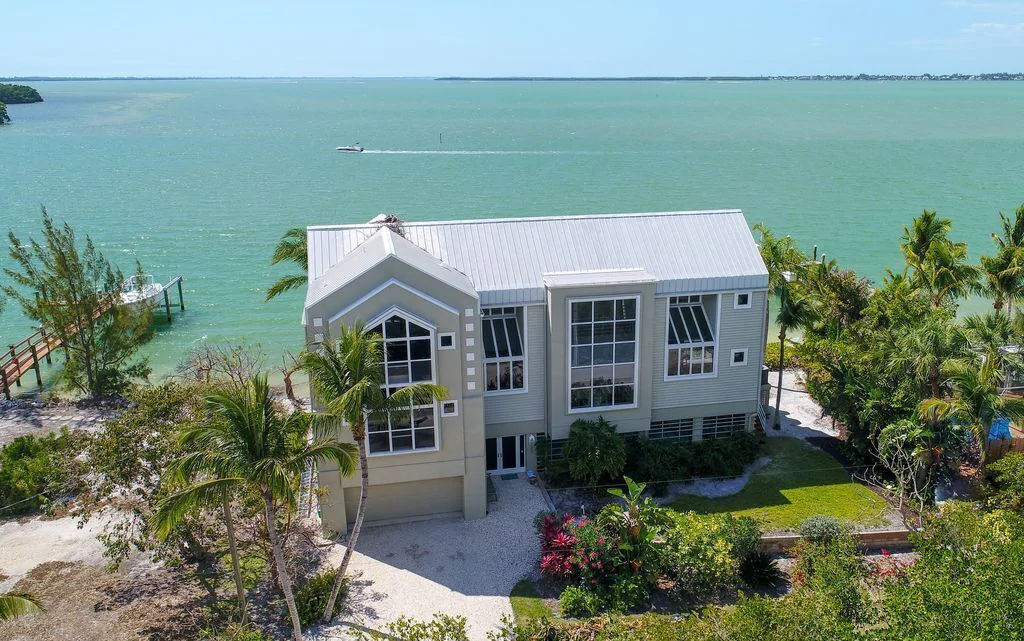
pixel 801 481
pixel 526 604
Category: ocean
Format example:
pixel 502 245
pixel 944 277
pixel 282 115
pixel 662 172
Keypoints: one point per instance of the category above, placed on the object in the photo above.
pixel 201 177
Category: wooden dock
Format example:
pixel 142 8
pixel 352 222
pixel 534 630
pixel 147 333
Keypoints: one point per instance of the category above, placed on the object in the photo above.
pixel 26 356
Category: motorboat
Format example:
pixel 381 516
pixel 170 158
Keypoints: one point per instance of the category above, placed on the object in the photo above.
pixel 355 149
pixel 140 289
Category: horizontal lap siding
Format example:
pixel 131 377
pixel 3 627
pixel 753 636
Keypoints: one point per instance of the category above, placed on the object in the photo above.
pixel 529 406
pixel 739 328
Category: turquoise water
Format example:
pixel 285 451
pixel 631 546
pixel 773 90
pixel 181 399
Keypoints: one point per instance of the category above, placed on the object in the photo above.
pixel 200 178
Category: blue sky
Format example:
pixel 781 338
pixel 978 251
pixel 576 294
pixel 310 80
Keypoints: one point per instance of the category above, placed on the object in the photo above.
pixel 524 37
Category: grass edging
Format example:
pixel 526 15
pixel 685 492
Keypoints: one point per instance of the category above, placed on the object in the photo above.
pixel 527 604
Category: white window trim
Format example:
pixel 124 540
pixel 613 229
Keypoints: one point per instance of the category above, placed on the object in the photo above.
pixel 432 329
pixel 524 330
pixel 736 300
pixel 442 348
pixel 732 357
pixel 692 377
pixel 568 355
pixel 455 408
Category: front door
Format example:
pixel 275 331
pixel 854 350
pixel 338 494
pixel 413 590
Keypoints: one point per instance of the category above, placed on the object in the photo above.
pixel 506 454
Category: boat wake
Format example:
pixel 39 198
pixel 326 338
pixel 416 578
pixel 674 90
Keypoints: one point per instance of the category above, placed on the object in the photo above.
pixel 455 152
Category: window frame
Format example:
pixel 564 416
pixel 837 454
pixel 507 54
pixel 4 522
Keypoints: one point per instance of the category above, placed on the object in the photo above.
pixel 637 343
pixel 455 408
pixel 736 300
pixel 434 407
pixel 444 335
pixel 746 357
pixel 715 329
pixel 521 313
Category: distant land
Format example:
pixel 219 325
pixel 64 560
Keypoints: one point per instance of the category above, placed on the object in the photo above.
pixel 862 76
pixel 18 94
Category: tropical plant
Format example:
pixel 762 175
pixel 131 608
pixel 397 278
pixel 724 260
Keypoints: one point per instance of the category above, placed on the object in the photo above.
pixel 637 523
pixel 78 304
pixel 292 248
pixel 35 470
pixel 1009 256
pixel 796 311
pixel 908 449
pixel 780 255
pixel 921 350
pixel 16 605
pixel 595 451
pixel 1008 478
pixel 976 402
pixel 348 384
pixel 821 527
pixel 937 265
pixel 250 446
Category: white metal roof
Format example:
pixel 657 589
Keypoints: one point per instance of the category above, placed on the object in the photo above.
pixel 598 277
pixel 506 259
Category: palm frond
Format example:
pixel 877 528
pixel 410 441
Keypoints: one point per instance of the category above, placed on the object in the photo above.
pixel 18 604
pixel 173 508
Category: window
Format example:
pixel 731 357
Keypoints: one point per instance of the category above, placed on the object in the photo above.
pixel 742 300
pixel 723 426
pixel 602 358
pixel 691 339
pixel 450 408
pixel 504 353
pixel 408 358
pixel 677 430
pixel 739 357
pixel 446 341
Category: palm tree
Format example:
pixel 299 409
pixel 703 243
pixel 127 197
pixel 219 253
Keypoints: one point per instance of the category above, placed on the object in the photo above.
pixel 939 266
pixel 1001 278
pixel 780 255
pixel 347 380
pixel 16 605
pixel 921 350
pixel 795 312
pixel 924 232
pixel 291 248
pixel 976 402
pixel 250 446
pixel 1011 245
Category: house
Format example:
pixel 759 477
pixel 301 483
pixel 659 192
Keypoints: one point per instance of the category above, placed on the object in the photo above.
pixel 656 321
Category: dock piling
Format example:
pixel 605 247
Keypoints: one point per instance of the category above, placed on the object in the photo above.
pixel 167 305
pixel 3 381
pixel 46 342
pixel 181 297
pixel 35 365
pixel 14 359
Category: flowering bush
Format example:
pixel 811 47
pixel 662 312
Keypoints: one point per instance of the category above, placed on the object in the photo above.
pixel 889 569
pixel 703 553
pixel 578 549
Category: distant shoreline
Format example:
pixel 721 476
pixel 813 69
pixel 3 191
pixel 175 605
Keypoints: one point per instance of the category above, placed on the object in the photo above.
pixel 956 77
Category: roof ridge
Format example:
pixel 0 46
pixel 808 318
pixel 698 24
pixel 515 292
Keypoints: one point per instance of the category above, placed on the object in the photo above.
pixel 520 219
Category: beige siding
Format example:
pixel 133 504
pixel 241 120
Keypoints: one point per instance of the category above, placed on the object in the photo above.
pixel 738 328
pixel 529 405
pixel 407 500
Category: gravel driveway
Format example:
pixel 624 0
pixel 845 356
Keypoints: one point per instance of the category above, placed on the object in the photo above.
pixel 464 568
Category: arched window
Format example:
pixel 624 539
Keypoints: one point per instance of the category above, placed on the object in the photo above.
pixel 408 358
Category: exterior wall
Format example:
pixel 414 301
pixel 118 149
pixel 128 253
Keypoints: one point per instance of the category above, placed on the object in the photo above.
pixel 460 454
pixel 628 420
pixel 399 501
pixel 738 328
pixel 509 407
pixel 699 412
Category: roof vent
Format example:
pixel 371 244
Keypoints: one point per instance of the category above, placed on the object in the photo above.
pixel 391 221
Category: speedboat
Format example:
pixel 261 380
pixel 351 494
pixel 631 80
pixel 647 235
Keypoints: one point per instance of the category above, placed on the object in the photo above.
pixel 356 148
pixel 140 289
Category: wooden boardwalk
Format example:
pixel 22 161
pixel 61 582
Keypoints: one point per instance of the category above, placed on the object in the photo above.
pixel 26 356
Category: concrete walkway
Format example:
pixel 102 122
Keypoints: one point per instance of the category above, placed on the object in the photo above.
pixel 458 567
pixel 801 414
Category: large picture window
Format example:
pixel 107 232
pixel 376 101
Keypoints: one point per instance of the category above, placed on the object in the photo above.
pixel 504 348
pixel 602 355
pixel 408 358
pixel 691 338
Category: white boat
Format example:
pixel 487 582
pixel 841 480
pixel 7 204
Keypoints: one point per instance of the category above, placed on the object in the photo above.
pixel 140 289
pixel 356 148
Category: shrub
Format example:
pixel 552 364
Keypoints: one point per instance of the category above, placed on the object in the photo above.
pixel 628 593
pixel 703 552
pixel 822 527
pixel 595 451
pixel 1008 475
pixel 657 462
pixel 311 598
pixel 442 627
pixel 832 569
pixel 576 548
pixel 235 632
pixel 578 601
pixel 758 569
pixel 36 469
pixel 771 356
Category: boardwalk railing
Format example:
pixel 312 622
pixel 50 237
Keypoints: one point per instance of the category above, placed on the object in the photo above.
pixel 23 357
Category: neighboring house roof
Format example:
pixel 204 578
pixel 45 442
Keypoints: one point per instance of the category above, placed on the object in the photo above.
pixel 380 246
pixel 507 260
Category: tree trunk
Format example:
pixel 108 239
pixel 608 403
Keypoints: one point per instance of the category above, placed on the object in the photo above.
pixel 282 569
pixel 933 381
pixel 357 527
pixel 236 568
pixel 777 419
